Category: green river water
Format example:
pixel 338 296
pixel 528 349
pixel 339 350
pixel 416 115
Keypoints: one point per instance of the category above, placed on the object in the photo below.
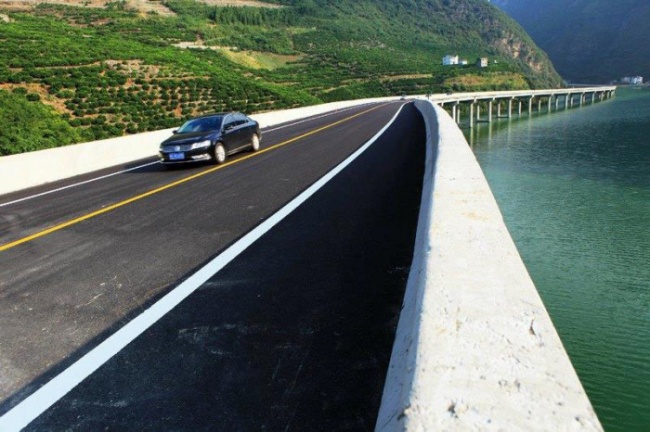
pixel 574 189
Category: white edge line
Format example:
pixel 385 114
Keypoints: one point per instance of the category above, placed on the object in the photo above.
pixel 329 113
pixel 77 184
pixel 46 396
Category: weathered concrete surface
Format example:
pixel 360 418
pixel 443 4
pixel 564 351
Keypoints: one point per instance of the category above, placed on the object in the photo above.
pixel 26 170
pixel 475 348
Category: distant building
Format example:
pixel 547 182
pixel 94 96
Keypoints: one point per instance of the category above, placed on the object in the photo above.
pixel 463 62
pixel 449 60
pixel 634 80
pixel 482 62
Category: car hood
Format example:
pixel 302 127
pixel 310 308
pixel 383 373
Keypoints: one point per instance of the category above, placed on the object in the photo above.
pixel 187 138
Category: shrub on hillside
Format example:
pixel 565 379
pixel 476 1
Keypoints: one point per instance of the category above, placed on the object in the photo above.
pixel 27 126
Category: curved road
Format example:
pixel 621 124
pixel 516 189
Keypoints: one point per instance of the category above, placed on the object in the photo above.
pixel 293 333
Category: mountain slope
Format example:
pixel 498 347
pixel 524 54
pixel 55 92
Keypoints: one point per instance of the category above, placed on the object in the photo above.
pixel 590 41
pixel 110 68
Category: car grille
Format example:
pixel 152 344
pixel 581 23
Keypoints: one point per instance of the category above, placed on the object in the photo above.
pixel 177 148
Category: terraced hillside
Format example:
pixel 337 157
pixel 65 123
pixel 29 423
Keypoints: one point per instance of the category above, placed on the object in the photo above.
pixel 98 69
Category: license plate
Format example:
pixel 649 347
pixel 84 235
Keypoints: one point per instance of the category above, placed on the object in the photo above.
pixel 176 156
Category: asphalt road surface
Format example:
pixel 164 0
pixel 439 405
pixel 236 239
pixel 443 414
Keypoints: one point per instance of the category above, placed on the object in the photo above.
pixel 294 333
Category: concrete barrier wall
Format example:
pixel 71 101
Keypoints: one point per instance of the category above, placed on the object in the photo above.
pixel 475 348
pixel 18 172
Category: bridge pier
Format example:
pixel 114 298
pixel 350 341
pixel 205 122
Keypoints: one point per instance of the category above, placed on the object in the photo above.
pixel 471 114
pixel 490 106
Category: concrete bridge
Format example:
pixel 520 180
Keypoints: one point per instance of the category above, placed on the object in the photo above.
pixel 466 108
pixel 475 348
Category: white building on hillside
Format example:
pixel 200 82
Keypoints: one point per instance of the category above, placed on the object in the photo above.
pixel 634 80
pixel 449 60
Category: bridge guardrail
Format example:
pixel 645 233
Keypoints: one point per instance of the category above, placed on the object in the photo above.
pixel 475 348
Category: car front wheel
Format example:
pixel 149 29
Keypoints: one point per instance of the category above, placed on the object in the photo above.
pixel 219 154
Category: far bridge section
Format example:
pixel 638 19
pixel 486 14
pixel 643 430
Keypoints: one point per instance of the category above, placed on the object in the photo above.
pixel 466 108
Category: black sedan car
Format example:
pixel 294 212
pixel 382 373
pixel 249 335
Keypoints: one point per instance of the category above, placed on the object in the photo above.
pixel 211 137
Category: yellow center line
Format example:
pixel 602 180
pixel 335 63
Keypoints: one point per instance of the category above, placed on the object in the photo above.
pixel 174 184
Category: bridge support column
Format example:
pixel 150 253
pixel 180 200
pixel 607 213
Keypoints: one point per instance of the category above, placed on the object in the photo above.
pixel 548 103
pixel 520 106
pixel 490 107
pixel 539 104
pixel 471 114
pixel 530 105
pixel 510 107
pixel 454 112
pixel 557 102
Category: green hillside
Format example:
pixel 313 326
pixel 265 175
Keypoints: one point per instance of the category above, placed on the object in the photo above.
pixel 589 41
pixel 113 70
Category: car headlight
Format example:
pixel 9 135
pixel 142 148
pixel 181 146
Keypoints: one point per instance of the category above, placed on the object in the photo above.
pixel 200 145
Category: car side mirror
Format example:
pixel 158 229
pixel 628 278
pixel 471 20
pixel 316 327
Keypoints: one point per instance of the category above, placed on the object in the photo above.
pixel 175 131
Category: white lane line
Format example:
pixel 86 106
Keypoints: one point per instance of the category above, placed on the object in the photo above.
pixel 76 184
pixel 42 399
pixel 329 113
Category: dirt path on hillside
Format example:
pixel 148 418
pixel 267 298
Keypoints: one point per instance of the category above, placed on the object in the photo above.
pixel 144 6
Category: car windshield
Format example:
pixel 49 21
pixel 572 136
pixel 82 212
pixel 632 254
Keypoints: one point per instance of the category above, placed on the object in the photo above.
pixel 201 125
